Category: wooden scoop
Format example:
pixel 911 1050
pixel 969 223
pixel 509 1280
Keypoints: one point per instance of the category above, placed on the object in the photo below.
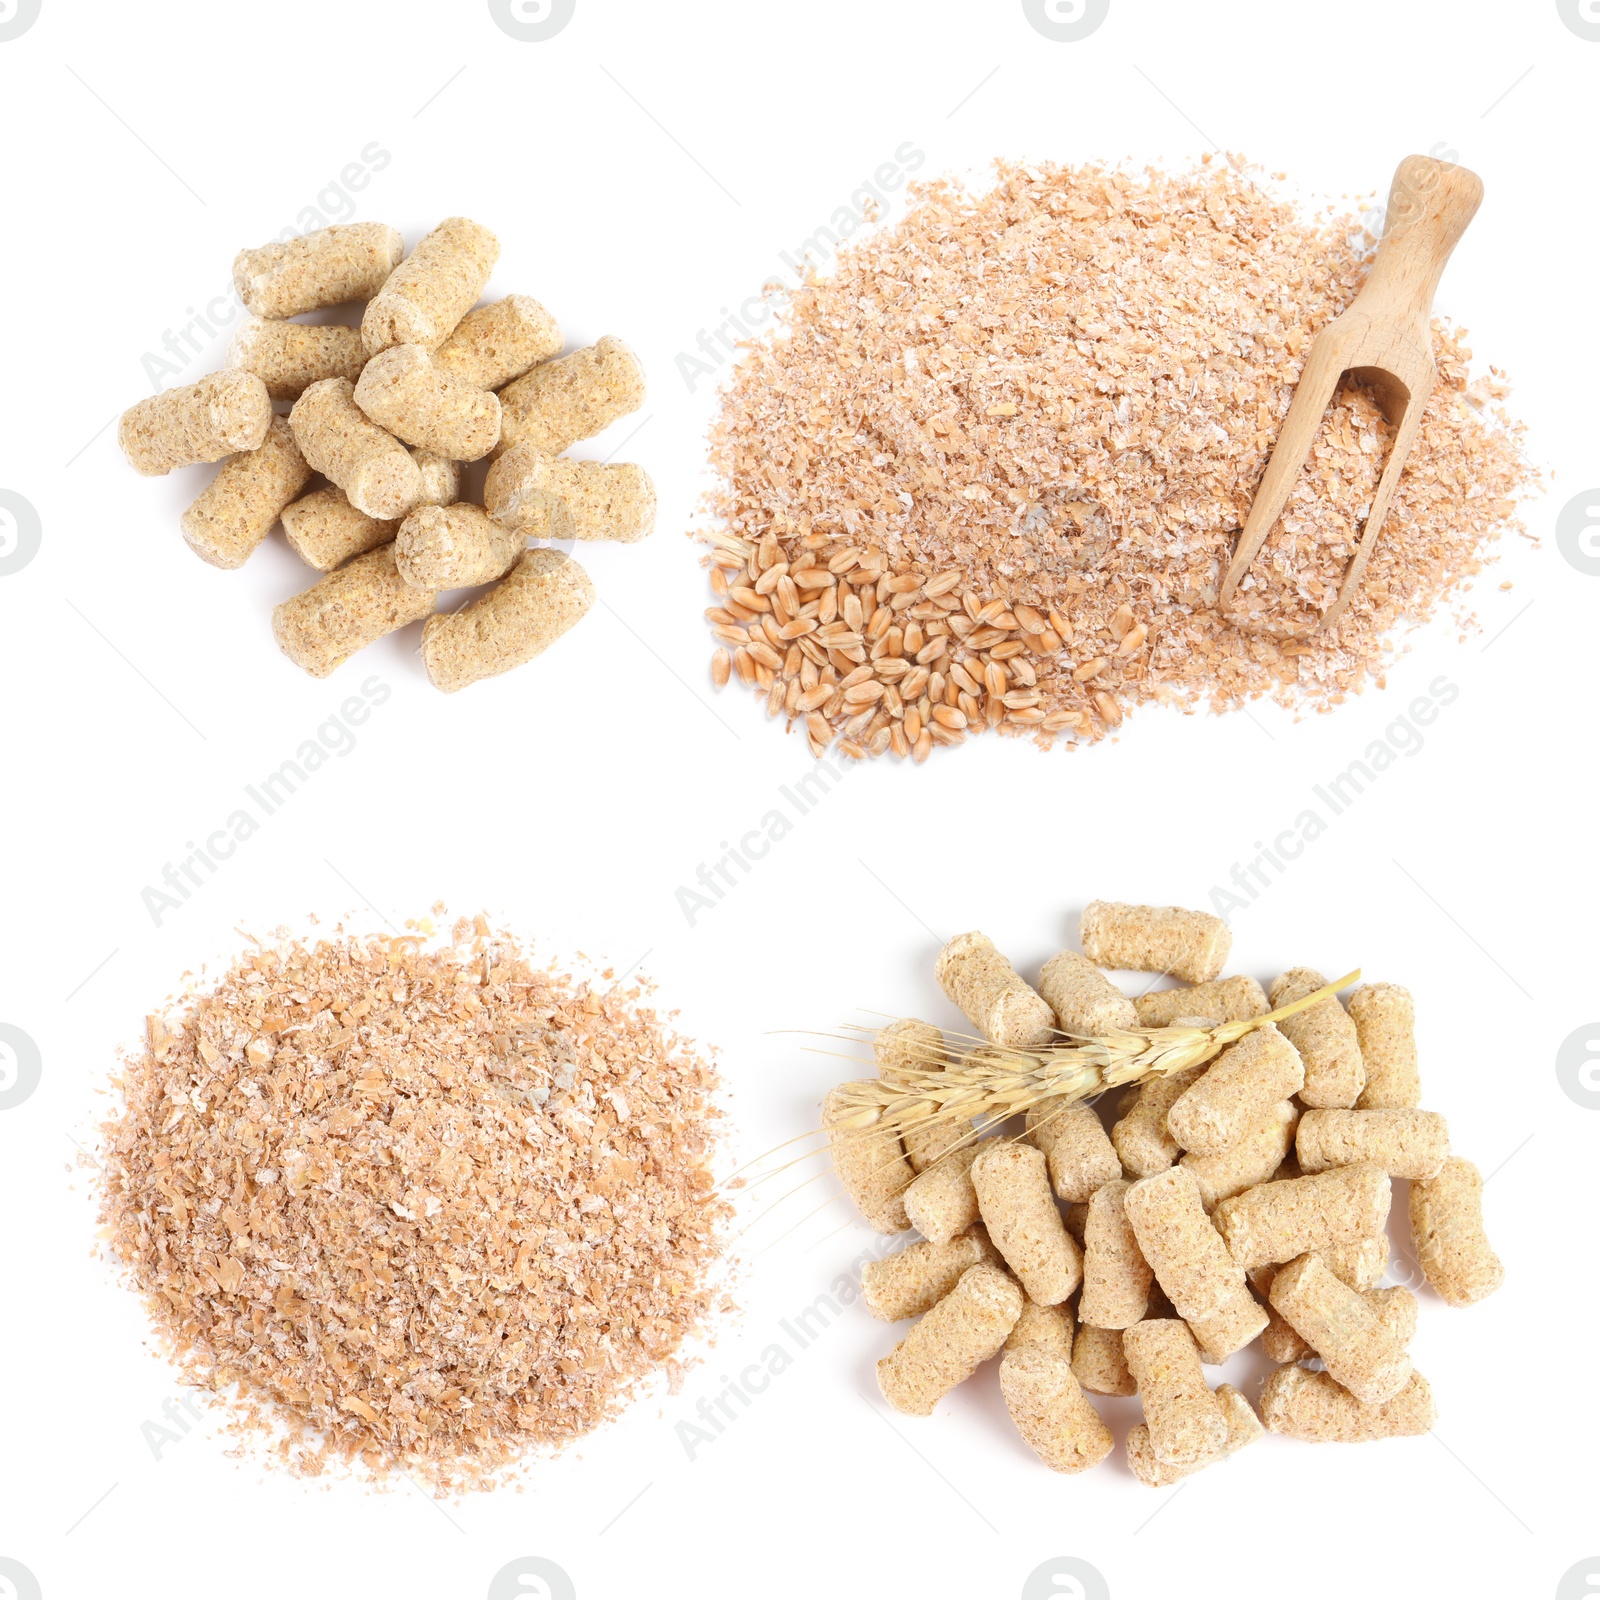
pixel 1385 339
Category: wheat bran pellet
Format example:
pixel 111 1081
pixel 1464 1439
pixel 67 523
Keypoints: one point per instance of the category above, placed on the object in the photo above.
pixel 1074 378
pixel 916 1279
pixel 1386 1030
pixel 1447 1234
pixel 499 342
pixel 905 1044
pixel 1406 1144
pixel 989 993
pixel 1140 1135
pixel 376 471
pixel 454 547
pixel 1228 1331
pixel 951 1342
pixel 1314 1406
pixel 1337 1323
pixel 1185 1424
pixel 1254 1157
pixel 219 416
pixel 291 356
pixel 238 508
pixel 1244 1427
pixel 1278 1221
pixel 446 1205
pixel 1235 1092
pixel 941 1201
pixel 402 391
pixel 1221 1000
pixel 428 293
pixel 1047 1404
pixel 1080 1156
pixel 1012 1183
pixel 1326 1039
pixel 1116 1276
pixel 527 489
pixel 1191 945
pixel 1099 1363
pixel 325 530
pixel 348 261
pixel 1040 1327
pixel 558 403
pixel 1396 1308
pixel 543 595
pixel 871 1165
pixel 323 626
pixel 1085 1001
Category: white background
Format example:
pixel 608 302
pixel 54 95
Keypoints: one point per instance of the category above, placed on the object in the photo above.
pixel 643 170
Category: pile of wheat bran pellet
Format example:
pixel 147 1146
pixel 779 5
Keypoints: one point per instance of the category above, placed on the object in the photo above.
pixel 991 469
pixel 428 1205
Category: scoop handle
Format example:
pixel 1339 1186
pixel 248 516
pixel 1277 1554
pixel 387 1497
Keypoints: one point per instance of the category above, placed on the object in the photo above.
pixel 1430 205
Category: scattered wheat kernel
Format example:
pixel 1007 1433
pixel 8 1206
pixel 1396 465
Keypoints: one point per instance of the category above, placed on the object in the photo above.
pixel 346 611
pixel 951 1342
pixel 1186 1426
pixel 428 293
pixel 499 342
pixel 402 390
pixel 236 511
pixel 348 261
pixel 377 473
pixel 219 416
pixel 1191 945
pixel 1047 1405
pixel 1235 1092
pixel 1386 1022
pixel 988 991
pixel 721 668
pixel 914 1280
pixel 1080 1156
pixel 1116 1276
pixel 1314 1406
pixel 1014 1199
pixel 1326 1039
pixel 1447 1234
pixel 1286 1218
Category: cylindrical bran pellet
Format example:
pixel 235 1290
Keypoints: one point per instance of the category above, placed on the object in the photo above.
pixel 346 611
pixel 527 489
pixel 1360 1263
pixel 1043 1328
pixel 348 261
pixel 543 595
pixel 990 994
pixel 1447 1234
pixel 424 298
pixel 1116 1276
pixel 1326 1039
pixel 1244 1427
pixel 1284 1219
pixel 325 530
pixel 291 356
pixel 1140 1136
pixel 454 547
pixel 1048 1406
pixel 1406 1144
pixel 1085 1001
pixel 236 511
pixel 1185 1424
pixel 560 402
pixel 400 389
pixel 441 478
pixel 912 1045
pixel 1355 1346
pixel 941 1201
pixel 219 416
pixel 373 468
pixel 1189 1258
pixel 869 1163
pixel 1315 1406
pixel 1079 1154
pixel 499 342
pixel 1223 1000
pixel 1230 1330
pixel 1236 1091
pixel 916 1279
pixel 1099 1363
pixel 1395 1308
pixel 951 1342
pixel 1386 1029
pixel 1251 1159
pixel 1191 945
pixel 1018 1209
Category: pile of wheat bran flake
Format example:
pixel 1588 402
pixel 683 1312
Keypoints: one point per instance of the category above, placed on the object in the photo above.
pixel 428 1205
pixel 992 468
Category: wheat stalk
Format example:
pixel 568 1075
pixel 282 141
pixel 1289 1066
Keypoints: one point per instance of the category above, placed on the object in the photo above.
pixel 995 1083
